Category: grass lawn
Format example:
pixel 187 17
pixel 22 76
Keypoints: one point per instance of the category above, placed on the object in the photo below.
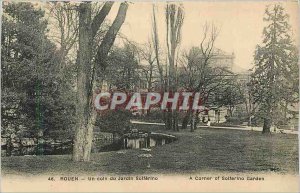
pixel 205 150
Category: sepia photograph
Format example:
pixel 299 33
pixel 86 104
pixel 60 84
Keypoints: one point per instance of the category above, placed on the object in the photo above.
pixel 150 96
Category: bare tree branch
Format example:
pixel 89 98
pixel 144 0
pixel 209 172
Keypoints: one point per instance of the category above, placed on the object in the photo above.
pixel 99 18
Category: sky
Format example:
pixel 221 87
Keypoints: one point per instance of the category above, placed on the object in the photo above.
pixel 240 23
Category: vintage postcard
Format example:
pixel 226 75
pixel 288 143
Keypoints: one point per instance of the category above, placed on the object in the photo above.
pixel 149 96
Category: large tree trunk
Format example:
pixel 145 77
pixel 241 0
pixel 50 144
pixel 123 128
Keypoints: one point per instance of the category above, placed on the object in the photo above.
pixel 267 119
pixel 83 134
pixel 267 126
pixel 86 116
pixel 174 19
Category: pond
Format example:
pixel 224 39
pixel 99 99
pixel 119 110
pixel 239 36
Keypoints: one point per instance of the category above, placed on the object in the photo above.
pixel 132 140
pixel 54 149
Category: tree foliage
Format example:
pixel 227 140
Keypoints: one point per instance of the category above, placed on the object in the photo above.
pixel 275 80
pixel 122 67
pixel 35 96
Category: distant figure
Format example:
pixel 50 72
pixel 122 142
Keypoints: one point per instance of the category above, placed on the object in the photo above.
pixel 208 122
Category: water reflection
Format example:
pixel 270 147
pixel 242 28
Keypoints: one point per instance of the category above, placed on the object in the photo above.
pixel 133 140
pixel 55 149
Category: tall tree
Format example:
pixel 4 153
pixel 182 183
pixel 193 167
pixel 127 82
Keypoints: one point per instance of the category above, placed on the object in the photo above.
pixel 39 101
pixel 86 68
pixel 199 74
pixel 275 67
pixel 174 21
pixel 156 46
